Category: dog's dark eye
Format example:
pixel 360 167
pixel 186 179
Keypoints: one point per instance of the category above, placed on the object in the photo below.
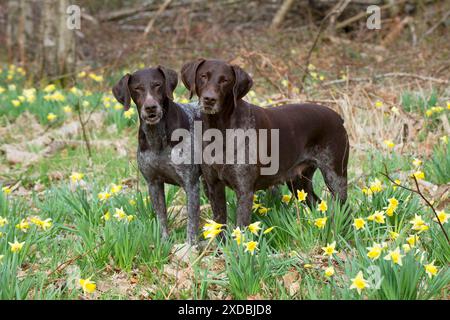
pixel 203 77
pixel 139 89
pixel 223 80
pixel 157 85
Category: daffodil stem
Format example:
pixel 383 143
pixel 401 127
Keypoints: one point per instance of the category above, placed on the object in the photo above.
pixel 203 253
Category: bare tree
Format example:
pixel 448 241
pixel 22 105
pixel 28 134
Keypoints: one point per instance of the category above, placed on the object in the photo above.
pixel 37 36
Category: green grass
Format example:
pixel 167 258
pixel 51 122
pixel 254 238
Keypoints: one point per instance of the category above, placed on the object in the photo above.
pixel 127 258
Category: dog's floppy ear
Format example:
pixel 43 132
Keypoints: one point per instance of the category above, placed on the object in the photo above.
pixel 122 93
pixel 171 79
pixel 242 84
pixel 189 74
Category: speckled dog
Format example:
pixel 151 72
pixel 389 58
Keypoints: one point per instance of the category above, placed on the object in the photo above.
pixel 310 137
pixel 152 92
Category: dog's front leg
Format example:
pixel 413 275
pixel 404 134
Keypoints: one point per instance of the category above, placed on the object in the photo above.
pixel 216 195
pixel 193 207
pixel 244 208
pixel 156 191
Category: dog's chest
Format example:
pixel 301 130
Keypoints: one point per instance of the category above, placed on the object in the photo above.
pixel 158 165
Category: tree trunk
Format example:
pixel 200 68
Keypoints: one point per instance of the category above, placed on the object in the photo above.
pixel 37 37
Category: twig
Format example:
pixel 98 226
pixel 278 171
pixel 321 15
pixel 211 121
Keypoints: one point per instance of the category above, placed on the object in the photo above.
pixel 335 11
pixel 387 75
pixel 419 192
pixel 431 30
pixel 150 24
pixel 281 13
pixel 83 129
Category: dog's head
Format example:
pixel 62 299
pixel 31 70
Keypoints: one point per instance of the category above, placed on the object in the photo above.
pixel 216 83
pixel 150 90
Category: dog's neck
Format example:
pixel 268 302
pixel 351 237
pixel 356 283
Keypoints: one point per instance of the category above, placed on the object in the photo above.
pixel 158 136
pixel 227 118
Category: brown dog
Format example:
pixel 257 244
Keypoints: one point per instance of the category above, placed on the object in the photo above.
pixel 310 137
pixel 152 91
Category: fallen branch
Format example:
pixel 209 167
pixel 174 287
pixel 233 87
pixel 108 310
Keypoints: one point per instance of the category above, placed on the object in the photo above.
pixel 150 24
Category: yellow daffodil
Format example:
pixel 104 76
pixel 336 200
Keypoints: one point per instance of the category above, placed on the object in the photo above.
pixel 268 230
pixel 395 256
pixel 359 283
pixel 16 246
pixel 301 195
pixel 320 222
pixel 412 239
pixel 378 217
pixel 211 229
pixel 76 177
pixel 76 91
pixel 106 216
pixel 96 78
pixel 376 186
pixel 286 198
pixel 237 235
pixel 263 211
pixel 67 109
pixel 389 144
pixel 417 162
pixel 82 74
pixel 251 246
pixel 419 175
pixel 3 221
pixel 431 269
pixel 23 225
pixel 396 183
pixel 129 113
pixel 442 216
pixel 406 248
pixel 116 188
pixel 374 251
pixel 87 285
pixel 120 214
pixel 444 139
pixel 50 88
pixel 51 117
pixel 378 104
pixel 418 224
pixel 359 223
pixel 322 206
pixel 103 196
pixel 329 272
pixel 393 235
pixel 254 227
pixel 16 103
pixel 329 249
pixel 130 217
pixel 6 190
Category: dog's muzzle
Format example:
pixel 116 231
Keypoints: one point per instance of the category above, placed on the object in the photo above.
pixel 151 115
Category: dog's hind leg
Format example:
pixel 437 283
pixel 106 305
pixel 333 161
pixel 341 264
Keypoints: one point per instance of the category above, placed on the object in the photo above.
pixel 304 182
pixel 335 174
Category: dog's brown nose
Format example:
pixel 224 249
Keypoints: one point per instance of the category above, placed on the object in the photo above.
pixel 209 100
pixel 150 109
